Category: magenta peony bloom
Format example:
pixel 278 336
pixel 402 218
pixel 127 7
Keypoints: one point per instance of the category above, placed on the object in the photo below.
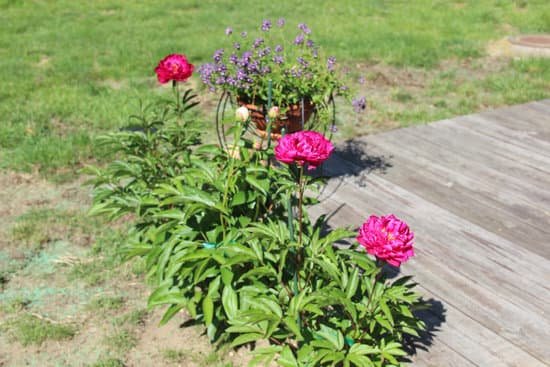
pixel 388 238
pixel 304 147
pixel 174 67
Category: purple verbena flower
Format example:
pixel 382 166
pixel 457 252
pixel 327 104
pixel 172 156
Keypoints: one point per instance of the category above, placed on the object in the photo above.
pixel 310 43
pixel 296 73
pixel 218 55
pixel 299 39
pixel 241 75
pixel 258 42
pixel 220 80
pixel 221 68
pixel 266 51
pixel 254 66
pixel 304 28
pixel 278 48
pixel 234 59
pixel 277 59
pixel 245 58
pixel 266 70
pixel 281 22
pixel 205 72
pixel 359 104
pixel 266 25
pixel 302 62
pixel 361 80
pixel 231 81
pixel 228 31
pixel 237 46
pixel 330 63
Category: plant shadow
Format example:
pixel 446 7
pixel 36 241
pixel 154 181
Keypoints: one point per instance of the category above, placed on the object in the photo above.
pixel 351 158
pixel 433 315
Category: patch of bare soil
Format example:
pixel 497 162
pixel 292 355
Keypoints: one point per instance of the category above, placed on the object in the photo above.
pixel 41 285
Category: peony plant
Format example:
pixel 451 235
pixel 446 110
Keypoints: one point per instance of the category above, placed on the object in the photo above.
pixel 226 236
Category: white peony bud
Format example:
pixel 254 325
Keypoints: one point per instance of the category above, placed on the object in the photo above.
pixel 273 112
pixel 241 114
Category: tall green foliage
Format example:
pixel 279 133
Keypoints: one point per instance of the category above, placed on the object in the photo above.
pixel 217 229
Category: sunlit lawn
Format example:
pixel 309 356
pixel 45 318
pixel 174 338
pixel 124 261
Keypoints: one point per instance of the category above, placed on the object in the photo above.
pixel 72 69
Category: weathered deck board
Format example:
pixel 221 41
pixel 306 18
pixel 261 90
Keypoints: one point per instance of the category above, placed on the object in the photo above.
pixel 476 191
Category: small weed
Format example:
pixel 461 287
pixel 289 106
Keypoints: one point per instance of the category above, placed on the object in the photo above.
pixel 134 318
pixel 28 329
pixel 173 355
pixel 402 96
pixel 109 362
pixel 105 258
pixel 40 226
pixel 14 306
pixel 106 304
pixel 122 341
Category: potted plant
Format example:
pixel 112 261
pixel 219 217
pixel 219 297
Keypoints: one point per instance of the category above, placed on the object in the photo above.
pixel 292 74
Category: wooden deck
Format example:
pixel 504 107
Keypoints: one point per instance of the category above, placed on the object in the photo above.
pixel 476 192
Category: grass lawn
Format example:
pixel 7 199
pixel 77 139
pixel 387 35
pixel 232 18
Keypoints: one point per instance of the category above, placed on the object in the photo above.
pixel 71 70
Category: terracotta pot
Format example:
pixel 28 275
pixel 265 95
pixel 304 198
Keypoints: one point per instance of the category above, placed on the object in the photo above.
pixel 291 120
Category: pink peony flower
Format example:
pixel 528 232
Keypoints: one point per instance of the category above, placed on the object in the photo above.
pixel 174 67
pixel 388 238
pixel 304 147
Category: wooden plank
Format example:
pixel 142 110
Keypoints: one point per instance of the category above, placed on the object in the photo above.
pixel 532 117
pixel 514 162
pixel 494 129
pixel 483 168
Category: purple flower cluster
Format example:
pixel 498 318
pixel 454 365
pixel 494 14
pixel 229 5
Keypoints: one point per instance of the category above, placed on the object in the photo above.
pixel 248 63
pixel 218 55
pixel 304 28
pixel 278 59
pixel 258 42
pixel 359 104
pixel 331 61
pixel 266 25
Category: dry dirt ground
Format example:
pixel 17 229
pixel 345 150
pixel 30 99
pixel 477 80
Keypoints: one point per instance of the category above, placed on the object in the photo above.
pixel 66 299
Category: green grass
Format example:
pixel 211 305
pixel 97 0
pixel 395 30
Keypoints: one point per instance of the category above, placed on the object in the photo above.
pixel 29 329
pixel 173 355
pixel 109 362
pixel 106 303
pixel 121 342
pixel 80 70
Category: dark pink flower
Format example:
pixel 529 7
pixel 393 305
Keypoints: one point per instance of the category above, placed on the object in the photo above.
pixel 388 238
pixel 304 147
pixel 174 67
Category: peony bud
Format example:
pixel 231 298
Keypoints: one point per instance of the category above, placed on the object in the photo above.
pixel 273 112
pixel 241 114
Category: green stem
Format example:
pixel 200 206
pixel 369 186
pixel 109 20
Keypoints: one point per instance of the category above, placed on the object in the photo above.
pixel 176 94
pixel 300 205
